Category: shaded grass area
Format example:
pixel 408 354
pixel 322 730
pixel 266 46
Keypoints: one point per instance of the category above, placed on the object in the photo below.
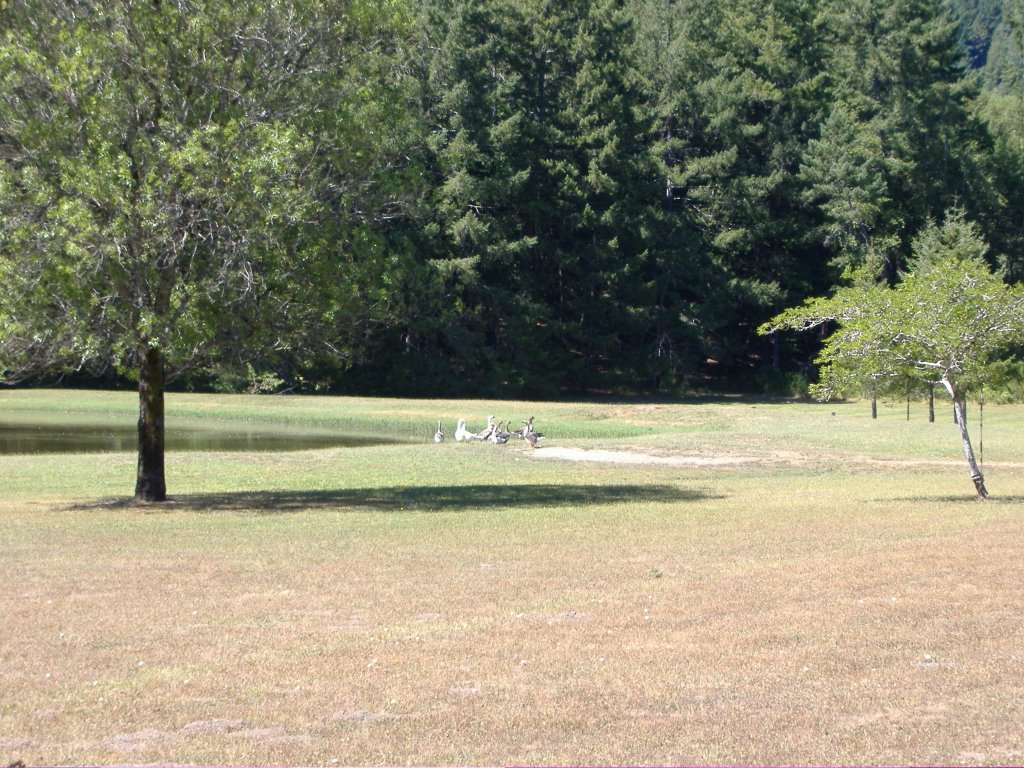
pixel 431 499
pixel 468 604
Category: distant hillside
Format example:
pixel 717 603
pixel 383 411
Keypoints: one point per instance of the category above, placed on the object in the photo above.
pixel 978 22
pixel 1004 67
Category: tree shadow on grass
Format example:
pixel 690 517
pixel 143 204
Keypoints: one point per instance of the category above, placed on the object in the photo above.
pixel 420 498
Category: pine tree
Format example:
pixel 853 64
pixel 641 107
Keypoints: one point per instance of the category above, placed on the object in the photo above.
pixel 1004 63
pixel 901 144
pixel 1001 107
pixel 740 94
pixel 541 157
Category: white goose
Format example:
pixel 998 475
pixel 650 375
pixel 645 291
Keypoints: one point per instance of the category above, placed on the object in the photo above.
pixel 439 435
pixel 462 434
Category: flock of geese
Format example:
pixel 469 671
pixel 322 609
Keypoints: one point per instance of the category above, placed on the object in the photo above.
pixel 499 433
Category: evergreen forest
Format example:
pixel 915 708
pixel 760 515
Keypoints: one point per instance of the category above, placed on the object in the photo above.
pixel 516 198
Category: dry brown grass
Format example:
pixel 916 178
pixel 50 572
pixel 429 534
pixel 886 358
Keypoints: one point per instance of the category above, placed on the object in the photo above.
pixel 737 614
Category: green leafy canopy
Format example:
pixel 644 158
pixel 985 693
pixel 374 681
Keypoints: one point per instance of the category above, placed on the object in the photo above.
pixel 946 321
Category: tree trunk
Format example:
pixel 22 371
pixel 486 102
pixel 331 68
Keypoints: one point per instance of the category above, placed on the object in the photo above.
pixel 150 484
pixel 960 412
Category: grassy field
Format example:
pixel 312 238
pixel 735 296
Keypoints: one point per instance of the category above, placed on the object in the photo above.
pixel 697 583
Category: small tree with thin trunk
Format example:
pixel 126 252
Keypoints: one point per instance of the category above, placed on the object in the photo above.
pixel 946 321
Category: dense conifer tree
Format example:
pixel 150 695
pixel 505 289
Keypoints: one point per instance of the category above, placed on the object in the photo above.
pixel 740 89
pixel 1002 109
pixel 900 145
pixel 543 178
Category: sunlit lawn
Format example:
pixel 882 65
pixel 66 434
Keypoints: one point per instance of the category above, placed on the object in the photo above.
pixel 786 583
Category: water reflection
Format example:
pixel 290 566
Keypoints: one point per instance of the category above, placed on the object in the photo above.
pixel 49 438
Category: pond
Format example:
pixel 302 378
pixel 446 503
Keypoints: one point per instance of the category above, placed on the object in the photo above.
pixel 74 438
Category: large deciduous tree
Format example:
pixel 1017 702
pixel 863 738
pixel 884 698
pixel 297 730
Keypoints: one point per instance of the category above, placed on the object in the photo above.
pixel 946 321
pixel 174 178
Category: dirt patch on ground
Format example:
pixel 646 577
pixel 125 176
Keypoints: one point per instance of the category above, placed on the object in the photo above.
pixel 736 459
pixel 636 457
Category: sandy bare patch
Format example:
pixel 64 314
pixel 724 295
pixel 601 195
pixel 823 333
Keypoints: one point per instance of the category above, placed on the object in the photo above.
pixel 732 459
pixel 636 457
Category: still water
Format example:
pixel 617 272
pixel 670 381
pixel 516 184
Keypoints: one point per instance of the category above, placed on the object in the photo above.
pixel 48 438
